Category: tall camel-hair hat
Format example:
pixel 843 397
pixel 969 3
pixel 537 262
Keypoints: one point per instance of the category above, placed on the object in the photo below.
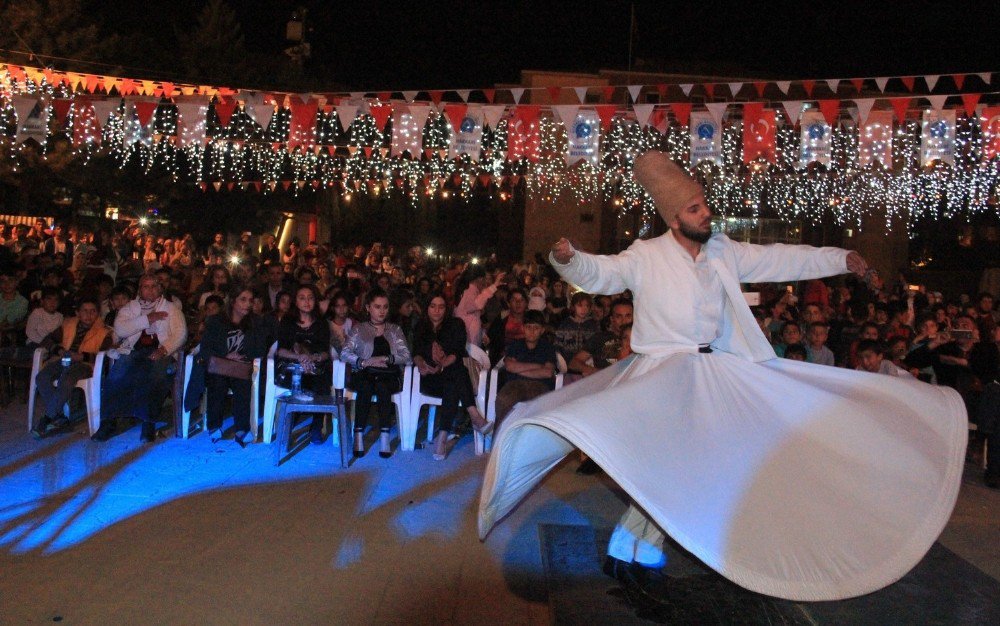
pixel 671 187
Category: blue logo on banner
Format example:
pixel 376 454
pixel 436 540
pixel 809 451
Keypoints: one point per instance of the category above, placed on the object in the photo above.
pixel 582 130
pixel 939 129
pixel 468 125
pixel 706 131
pixel 816 131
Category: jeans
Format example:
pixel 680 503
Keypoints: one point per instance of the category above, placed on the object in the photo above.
pixel 136 386
pixel 56 384
pixel 453 386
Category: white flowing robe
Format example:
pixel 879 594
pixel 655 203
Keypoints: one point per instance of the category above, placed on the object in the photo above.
pixel 791 479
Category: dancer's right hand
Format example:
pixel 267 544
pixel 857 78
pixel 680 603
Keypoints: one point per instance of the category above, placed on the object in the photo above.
pixel 562 251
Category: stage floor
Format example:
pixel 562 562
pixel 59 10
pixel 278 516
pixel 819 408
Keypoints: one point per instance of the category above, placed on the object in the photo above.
pixel 186 531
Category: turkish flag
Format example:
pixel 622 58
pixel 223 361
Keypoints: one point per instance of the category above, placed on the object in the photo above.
pixel 758 132
pixel 991 133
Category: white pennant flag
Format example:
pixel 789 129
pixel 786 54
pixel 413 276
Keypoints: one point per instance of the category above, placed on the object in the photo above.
pixel 410 96
pixel 706 138
pixel 881 82
pixel 566 113
pixel 104 108
pixel 346 112
pixel 793 108
pixel 356 95
pixel 581 94
pixel 931 80
pixel 420 113
pixel 23 106
pixel 833 84
pixel 492 114
pixel 984 76
pixel 937 102
pixel 686 88
pixel 717 110
pixel 32 119
pixel 783 85
pixel 191 124
pixel 517 92
pixel 251 97
pixel 734 88
pixel 261 113
pixel 634 90
pixel 407 135
pixel 463 94
pixel 642 113
pixel 584 138
pixel 864 108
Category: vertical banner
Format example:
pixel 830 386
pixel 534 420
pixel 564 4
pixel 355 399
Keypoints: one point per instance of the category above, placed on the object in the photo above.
pixel 706 138
pixel 467 135
pixel 991 133
pixel 523 134
pixel 32 119
pixel 875 140
pixel 815 139
pixel 758 133
pixel 937 137
pixel 302 126
pixel 584 137
pixel 407 135
pixel 191 120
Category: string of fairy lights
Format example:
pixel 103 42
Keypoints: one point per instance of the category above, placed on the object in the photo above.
pixel 356 157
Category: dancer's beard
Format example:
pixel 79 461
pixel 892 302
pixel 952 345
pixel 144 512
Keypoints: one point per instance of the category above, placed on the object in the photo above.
pixel 701 236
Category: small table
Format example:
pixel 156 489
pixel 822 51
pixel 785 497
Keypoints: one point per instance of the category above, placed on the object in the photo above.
pixel 287 407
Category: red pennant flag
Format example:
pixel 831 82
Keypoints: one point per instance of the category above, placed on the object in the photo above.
pixel 50 76
pixel 381 113
pixel 656 119
pixel 608 92
pixel 257 185
pixel 682 111
pixel 605 112
pixel 229 186
pixel 224 108
pixel 969 102
pixel 808 86
pixel 127 87
pixel 455 113
pixel 168 89
pixel 384 96
pixel 90 82
pixel 302 127
pixel 831 111
pixel 485 180
pixel 436 96
pixel 490 94
pixel 368 151
pixel 709 89
pixel 144 110
pixel 858 83
pixel 959 80
pixel 527 113
pixel 17 72
pixel 203 186
pixel 315 184
pixel 900 105
pixel 285 184
pixel 760 86
pixel 60 106
pixel 554 93
pixel 661 89
pixel 908 82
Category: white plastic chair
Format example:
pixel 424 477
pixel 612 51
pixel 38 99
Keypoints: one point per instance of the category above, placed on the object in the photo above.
pixel 419 399
pixel 203 405
pixel 91 388
pixel 272 390
pixel 407 424
pixel 483 443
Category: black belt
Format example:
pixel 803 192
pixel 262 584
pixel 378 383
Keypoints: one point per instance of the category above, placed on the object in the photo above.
pixel 705 349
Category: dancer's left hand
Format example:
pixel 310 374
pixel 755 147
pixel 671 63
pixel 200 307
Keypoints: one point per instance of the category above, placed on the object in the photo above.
pixel 856 263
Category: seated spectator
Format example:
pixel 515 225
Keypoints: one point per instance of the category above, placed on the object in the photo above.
pixel 339 314
pixel 13 306
pixel 507 329
pixel 276 283
pixel 168 287
pixel 796 352
pixel 218 284
pixel 237 335
pixel 557 303
pixel 438 352
pixel 791 333
pixel 602 310
pixel 58 243
pixel 44 320
pixel 870 359
pixel 304 338
pixel 816 344
pixel 80 338
pixel 151 329
pixel 282 307
pixel 986 317
pixel 375 350
pixel 603 348
pixel 869 332
pixel 529 366
pixel 120 296
pixel 574 331
pixel 948 354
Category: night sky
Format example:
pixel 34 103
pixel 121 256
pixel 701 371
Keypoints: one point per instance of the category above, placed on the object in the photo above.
pixel 378 45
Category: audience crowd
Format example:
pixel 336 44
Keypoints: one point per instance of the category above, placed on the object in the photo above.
pixel 145 299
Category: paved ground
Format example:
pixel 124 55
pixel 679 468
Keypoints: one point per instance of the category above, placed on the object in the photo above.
pixel 184 531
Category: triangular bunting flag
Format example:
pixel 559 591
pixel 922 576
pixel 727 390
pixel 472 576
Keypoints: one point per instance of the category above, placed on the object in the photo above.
pixel 608 92
pixel 858 83
pixel 90 82
pixel 606 112
pixel 436 96
pixel 633 91
pixel 581 94
pixel 682 111
pixel 463 94
pixel 959 80
pixel 455 113
pixel 984 76
pixel 937 102
pixel 783 85
pixel 168 89
pixel 864 108
pixel 809 85
pixel 881 82
pixel 224 108
pixel 60 106
pixel 493 114
pixel 931 80
pixel 380 112
pixel 409 96
pixel 517 93
pixel 104 108
pixel 969 102
pixel 642 113
pixel 527 113
pixel 833 84
pixel 144 110
pixel 793 109
pixel 554 92
pixel 261 113
pixel 489 94
pixel 709 89
pixel 734 88
pixel 384 96
pixel 346 114
pixel 717 110
pixel 908 82
pixel 686 88
pixel 661 89
pixel 900 105
pixel 760 85
pixel 831 111
pixel 419 113
pixel 566 113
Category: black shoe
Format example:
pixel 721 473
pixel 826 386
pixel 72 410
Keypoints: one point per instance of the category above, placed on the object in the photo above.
pixel 645 586
pixel 106 431
pixel 148 432
pixel 57 425
pixel 588 468
pixel 40 430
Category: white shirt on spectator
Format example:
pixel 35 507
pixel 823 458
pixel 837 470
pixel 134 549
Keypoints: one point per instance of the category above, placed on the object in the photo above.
pixel 823 356
pixel 41 324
